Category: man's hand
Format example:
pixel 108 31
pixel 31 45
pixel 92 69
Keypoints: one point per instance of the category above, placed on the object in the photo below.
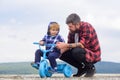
pixel 61 45
pixel 63 50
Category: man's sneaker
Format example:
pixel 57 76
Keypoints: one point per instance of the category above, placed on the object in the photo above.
pixel 80 72
pixel 90 72
pixel 35 65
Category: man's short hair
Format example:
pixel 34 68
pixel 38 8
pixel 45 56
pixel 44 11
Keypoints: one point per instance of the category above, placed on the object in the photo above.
pixel 73 18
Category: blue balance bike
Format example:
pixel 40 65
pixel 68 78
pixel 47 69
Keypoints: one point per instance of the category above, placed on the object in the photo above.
pixel 44 65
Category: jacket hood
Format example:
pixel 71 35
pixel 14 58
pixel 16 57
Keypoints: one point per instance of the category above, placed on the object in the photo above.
pixel 48 33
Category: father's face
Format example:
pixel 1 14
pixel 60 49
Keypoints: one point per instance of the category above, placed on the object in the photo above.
pixel 73 27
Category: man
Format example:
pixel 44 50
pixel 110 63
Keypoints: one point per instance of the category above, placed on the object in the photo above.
pixel 82 50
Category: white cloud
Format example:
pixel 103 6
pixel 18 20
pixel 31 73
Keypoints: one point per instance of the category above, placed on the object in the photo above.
pixel 13 21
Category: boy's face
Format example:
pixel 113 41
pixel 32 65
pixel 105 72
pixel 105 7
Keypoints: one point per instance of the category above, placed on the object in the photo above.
pixel 53 32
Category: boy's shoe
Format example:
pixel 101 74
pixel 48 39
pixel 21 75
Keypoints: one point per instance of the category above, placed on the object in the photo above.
pixel 90 72
pixel 51 70
pixel 35 65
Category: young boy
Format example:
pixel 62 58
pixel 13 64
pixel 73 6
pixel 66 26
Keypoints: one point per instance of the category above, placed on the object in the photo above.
pixel 52 37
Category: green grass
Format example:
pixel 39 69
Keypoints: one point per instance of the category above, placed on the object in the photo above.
pixel 17 68
pixel 26 68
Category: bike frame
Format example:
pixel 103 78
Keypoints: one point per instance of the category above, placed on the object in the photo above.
pixel 43 50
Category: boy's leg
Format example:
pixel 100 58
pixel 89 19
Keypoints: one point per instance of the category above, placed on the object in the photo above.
pixel 38 55
pixel 52 56
pixel 36 62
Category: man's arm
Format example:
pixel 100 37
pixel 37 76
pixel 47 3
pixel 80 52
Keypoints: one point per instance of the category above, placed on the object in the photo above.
pixel 73 45
pixel 66 46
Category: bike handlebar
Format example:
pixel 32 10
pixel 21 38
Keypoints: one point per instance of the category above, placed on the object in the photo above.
pixel 35 42
pixel 48 45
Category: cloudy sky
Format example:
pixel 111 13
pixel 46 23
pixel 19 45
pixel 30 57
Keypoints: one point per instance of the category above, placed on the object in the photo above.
pixel 24 21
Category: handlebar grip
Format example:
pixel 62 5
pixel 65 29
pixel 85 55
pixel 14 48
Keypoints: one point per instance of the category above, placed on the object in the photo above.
pixel 52 45
pixel 35 42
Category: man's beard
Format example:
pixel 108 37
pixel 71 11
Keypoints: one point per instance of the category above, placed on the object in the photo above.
pixel 76 31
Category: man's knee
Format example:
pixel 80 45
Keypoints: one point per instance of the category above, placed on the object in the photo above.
pixel 78 50
pixel 78 54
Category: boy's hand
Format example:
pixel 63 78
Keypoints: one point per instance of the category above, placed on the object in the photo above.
pixel 41 42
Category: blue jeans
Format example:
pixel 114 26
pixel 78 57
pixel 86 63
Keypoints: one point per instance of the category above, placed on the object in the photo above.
pixel 51 56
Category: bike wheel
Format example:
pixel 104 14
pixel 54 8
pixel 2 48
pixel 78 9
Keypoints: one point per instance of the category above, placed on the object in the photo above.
pixel 42 68
pixel 67 71
pixel 48 74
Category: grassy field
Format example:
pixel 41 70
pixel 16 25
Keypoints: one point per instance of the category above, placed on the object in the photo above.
pixel 17 68
pixel 24 71
pixel 25 68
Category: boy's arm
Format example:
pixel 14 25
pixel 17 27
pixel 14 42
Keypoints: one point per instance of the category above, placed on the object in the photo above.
pixel 43 41
pixel 61 39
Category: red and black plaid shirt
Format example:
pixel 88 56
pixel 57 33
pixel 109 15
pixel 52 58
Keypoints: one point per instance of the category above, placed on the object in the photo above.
pixel 88 37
